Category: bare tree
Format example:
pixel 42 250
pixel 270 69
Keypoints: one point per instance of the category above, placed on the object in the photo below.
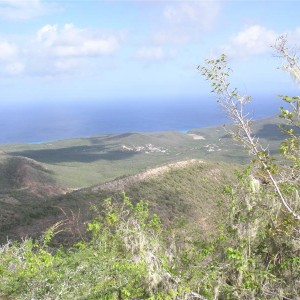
pixel 218 73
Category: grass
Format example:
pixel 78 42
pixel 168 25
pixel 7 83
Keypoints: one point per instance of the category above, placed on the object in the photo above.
pixel 81 163
pixel 78 163
pixel 189 194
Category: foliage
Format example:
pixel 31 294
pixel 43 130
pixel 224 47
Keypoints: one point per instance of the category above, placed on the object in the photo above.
pixel 260 237
pixel 182 193
pixel 124 259
pixel 129 255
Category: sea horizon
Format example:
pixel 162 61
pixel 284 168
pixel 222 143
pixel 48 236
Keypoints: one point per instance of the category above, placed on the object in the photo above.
pixel 48 122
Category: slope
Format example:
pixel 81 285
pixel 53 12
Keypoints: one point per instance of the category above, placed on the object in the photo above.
pixel 82 162
pixel 25 185
pixel 188 192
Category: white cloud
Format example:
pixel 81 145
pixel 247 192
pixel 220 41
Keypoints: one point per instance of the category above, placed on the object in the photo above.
pixel 47 35
pixel 254 40
pixel 69 50
pixel 71 42
pixel 186 20
pixel 9 59
pixel 55 51
pixel 257 40
pixel 21 9
pixel 8 51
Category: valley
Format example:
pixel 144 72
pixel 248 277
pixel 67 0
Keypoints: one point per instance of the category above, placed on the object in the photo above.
pixel 38 181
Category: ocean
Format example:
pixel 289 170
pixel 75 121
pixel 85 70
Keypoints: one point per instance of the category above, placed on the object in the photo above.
pixel 41 121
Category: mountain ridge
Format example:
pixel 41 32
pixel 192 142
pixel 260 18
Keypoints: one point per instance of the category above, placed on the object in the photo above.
pixel 122 183
pixel 76 174
pixel 174 191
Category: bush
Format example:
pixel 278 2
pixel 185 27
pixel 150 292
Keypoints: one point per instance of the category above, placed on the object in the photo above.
pixel 124 259
pixel 260 237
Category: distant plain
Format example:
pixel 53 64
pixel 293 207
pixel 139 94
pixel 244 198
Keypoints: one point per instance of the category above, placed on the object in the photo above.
pixel 83 162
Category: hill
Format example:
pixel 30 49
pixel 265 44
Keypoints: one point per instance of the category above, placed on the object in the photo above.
pixel 24 187
pixel 78 163
pixel 222 147
pixel 34 178
pixel 188 192
pixel 124 242
pixel 23 173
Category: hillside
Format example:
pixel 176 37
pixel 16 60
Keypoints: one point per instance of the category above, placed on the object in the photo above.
pixel 189 192
pixel 23 173
pixel 24 187
pixel 34 176
pixel 110 245
pixel 84 162
pixel 222 147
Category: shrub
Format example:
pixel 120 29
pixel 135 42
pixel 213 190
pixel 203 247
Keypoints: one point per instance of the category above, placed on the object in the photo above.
pixel 259 252
pixel 125 258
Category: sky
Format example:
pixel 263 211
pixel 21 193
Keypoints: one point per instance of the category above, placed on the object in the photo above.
pixel 143 49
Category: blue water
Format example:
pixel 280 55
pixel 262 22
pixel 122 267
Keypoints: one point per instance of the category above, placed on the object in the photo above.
pixel 42 122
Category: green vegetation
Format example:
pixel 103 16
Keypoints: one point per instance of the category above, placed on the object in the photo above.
pixel 78 163
pixel 190 241
pixel 182 194
pixel 124 259
pixel 263 258
pixel 127 254
pixel 81 163
pixel 24 186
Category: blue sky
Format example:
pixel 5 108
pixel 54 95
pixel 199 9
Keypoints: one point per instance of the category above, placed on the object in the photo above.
pixel 144 50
